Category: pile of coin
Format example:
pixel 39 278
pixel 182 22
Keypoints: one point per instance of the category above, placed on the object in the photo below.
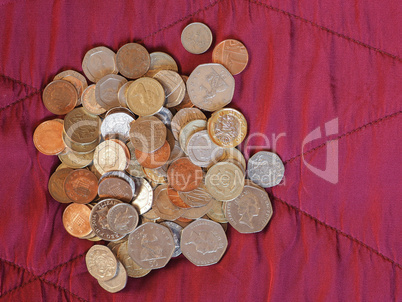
pixel 150 158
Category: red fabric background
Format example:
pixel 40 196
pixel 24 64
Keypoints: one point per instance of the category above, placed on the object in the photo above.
pixel 310 62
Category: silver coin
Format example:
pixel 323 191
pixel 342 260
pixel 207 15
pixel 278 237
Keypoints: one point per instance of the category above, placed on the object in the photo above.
pixel 183 116
pixel 144 196
pixel 122 218
pixel 265 169
pixel 101 263
pixel 176 232
pixel 196 38
pixel 202 151
pixel 165 115
pixel 132 268
pixel 106 90
pixel 117 125
pixel 122 94
pixel 188 130
pixel 118 282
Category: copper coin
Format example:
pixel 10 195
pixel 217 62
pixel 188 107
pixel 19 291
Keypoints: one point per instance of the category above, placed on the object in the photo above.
pixel 114 187
pixel 183 175
pixel 107 89
pixel 175 198
pixel 232 54
pixel 75 78
pixel 56 185
pixel 147 134
pixel 183 116
pixel 155 159
pixel 81 186
pixel 98 62
pixel 76 220
pixel 60 97
pixel 82 127
pixel 48 138
pixel 133 60
pixel 162 205
pixel 89 101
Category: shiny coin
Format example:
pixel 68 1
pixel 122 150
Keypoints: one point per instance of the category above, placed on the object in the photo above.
pixel 117 125
pixel 265 169
pixel 75 78
pixel 151 245
pixel 235 154
pixel 155 176
pixel 160 61
pixel 196 38
pixel 145 96
pixel 76 220
pixel 82 127
pixel 216 213
pixel 133 60
pixel 60 97
pixel 56 185
pixel 173 86
pixel 249 212
pixel 188 130
pixel 224 181
pixel 101 262
pixel 210 86
pixel 81 186
pixel 184 116
pixel 144 196
pixel 202 151
pixel 134 167
pixel 89 101
pixel 99 62
pixel 147 134
pixel 227 127
pixel 48 138
pixel 122 218
pixel 203 242
pixel 186 103
pixel 110 156
pixel 122 94
pixel 106 90
pixel 183 175
pixel 165 115
pixel 132 268
pixel 115 187
pixel 175 198
pixel 175 229
pixel 99 222
pixel 198 197
pixel 164 208
pixel 232 54
pixel 155 159
pixel 76 160
pixel 118 282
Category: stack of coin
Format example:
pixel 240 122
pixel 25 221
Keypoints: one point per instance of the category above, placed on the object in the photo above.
pixel 150 158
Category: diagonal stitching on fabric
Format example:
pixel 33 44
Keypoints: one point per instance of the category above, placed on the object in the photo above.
pixel 36 277
pixel 340 232
pixel 278 10
pixel 372 123
pixel 18 82
pixel 60 288
pixel 20 100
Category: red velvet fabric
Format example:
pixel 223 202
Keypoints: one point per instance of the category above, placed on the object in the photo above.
pixel 311 62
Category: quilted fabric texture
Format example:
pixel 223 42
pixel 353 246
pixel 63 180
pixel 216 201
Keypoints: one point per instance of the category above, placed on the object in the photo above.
pixel 322 89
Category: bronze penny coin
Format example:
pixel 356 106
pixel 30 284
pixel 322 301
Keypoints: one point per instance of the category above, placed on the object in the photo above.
pixel 75 78
pixel 56 185
pixel 60 97
pixel 48 138
pixel 155 159
pixel 89 101
pixel 81 186
pixel 81 126
pixel 147 134
pixel 114 187
pixel 232 54
pixel 133 60
pixel 183 175
pixel 76 220
pixel 175 198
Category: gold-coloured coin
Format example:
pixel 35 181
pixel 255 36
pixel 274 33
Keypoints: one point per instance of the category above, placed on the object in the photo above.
pixel 76 160
pixel 110 156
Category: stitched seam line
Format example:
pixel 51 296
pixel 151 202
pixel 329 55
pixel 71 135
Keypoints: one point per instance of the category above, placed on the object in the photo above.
pixel 365 126
pixel 372 250
pixel 18 82
pixel 18 101
pixel 60 288
pixel 278 10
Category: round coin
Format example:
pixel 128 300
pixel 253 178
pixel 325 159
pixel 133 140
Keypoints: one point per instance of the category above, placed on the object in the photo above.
pixel 196 38
pixel 265 169
pixel 198 197
pixel 101 262
pixel 160 61
pixel 147 134
pixel 188 130
pixel 164 208
pixel 81 186
pixel 99 62
pixel 232 54
pixel 118 282
pixel 183 175
pixel 89 101
pixel 56 185
pixel 48 138
pixel 133 60
pixel 122 218
pixel 117 125
pixel 99 222
pixel 115 187
pixel 186 103
pixel 184 116
pixel 122 94
pixel 155 159
pixel 76 160
pixel 173 86
pixel 82 127
pixel 175 198
pixel 76 220
pixel 202 151
pixel 75 78
pixel 144 196
pixel 134 167
pixel 60 97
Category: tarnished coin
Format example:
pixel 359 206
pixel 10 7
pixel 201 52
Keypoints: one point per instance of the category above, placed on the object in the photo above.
pixel 227 127
pixel 188 130
pixel 216 213
pixel 155 159
pixel 198 197
pixel 165 115
pixel 101 262
pixel 134 167
pixel 132 268
pixel 151 245
pixel 186 103
pixel 183 175
pixel 251 211
pixel 196 38
pixel 183 116
pixel 203 242
pixel 147 134
pixel 122 94
pixel 48 138
pixel 176 232
pixel 56 185
pixel 110 156
pixel 76 220
pixel 81 148
pixel 145 96
pixel 173 86
pixel 117 125
pixel 122 218
pixel 76 160
pixel 160 61
pixel 115 187
pixel 150 216
pixel 265 169
pixel 144 193
pixel 155 176
pixel 164 208
pixel 82 127
pixel 210 86
pixel 235 154
pixel 202 151
pixel 121 175
pixel 89 101
pixel 81 186
pixel 75 78
pixel 224 181
pixel 60 97
pixel 175 198
pixel 118 282
pixel 232 54
pixel 106 90
pixel 133 60
pixel 99 222
pixel 99 62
